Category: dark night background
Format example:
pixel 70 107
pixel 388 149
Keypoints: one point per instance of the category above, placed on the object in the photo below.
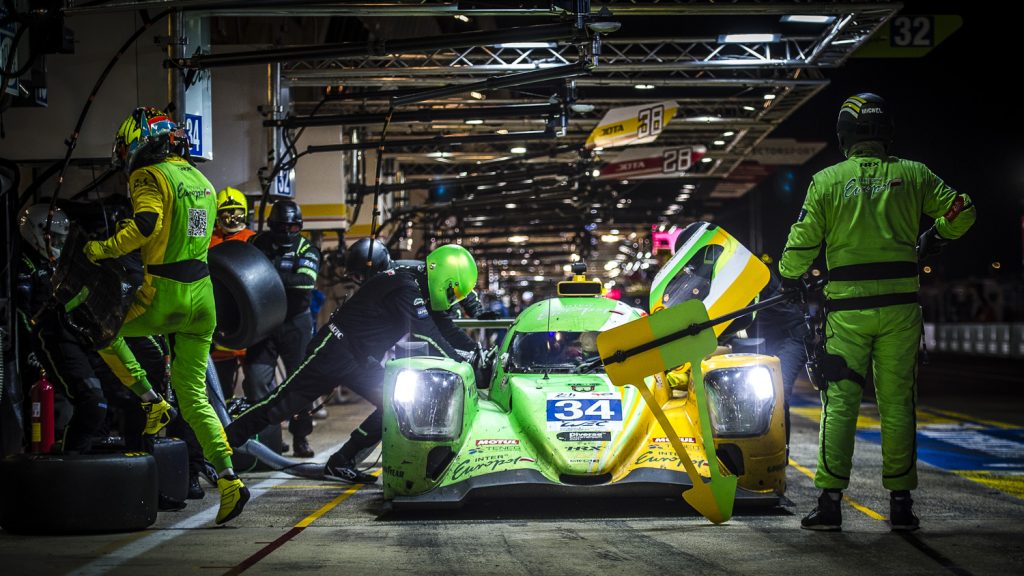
pixel 956 111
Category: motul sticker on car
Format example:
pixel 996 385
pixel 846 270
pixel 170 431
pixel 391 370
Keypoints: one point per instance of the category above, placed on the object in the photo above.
pixel 498 442
pixel 683 439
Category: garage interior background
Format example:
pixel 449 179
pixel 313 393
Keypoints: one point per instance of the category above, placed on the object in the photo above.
pixel 750 117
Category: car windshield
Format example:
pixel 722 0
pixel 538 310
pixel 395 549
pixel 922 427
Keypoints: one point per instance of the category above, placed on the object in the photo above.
pixel 554 352
pixel 693 282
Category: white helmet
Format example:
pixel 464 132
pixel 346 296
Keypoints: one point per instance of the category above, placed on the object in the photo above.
pixel 32 226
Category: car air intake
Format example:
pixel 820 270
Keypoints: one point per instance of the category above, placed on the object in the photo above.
pixel 585 480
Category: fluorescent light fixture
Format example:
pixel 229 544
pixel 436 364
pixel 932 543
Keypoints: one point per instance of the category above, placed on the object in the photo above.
pixel 749 108
pixel 476 95
pixel 748 38
pixel 808 19
pixel 609 238
pixel 474 121
pixel 518 150
pixel 719 142
pixel 519 239
pixel 461 17
pixel 644 86
pixel 707 159
pixel 510 205
pixel 728 134
pixel 527 45
pixel 538 278
pixel 502 131
pixel 439 154
pixel 769 96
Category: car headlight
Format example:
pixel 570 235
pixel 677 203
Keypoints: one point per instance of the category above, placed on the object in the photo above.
pixel 428 404
pixel 740 400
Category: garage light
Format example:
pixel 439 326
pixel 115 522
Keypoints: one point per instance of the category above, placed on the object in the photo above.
pixel 527 45
pixel 707 159
pixel 611 265
pixel 748 38
pixel 927 270
pixel 749 108
pixel 728 134
pixel 595 173
pixel 538 278
pixel 609 238
pixel 690 186
pixel 502 131
pixel 808 19
pixel 717 142
pixel 518 239
pixel 510 205
pixel 769 96
pixel 474 121
pixel 518 150
pixel 644 86
pixel 462 18
pixel 476 95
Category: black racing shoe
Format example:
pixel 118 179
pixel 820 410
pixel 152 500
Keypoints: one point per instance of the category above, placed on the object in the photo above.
pixel 168 504
pixel 302 448
pixel 828 515
pixel 195 491
pixel 346 471
pixel 901 512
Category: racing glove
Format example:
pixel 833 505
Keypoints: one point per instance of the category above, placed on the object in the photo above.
pixel 930 243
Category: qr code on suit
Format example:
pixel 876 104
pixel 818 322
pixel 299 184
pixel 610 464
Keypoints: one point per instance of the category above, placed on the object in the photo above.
pixel 197 222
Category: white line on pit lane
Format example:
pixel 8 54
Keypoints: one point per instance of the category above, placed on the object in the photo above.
pixel 108 562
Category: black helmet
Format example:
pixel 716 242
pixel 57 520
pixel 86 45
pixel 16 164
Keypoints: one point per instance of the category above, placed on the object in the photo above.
pixel 865 118
pixel 365 258
pixel 285 221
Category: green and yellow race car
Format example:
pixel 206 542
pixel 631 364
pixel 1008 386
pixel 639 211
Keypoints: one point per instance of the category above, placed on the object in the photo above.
pixel 549 423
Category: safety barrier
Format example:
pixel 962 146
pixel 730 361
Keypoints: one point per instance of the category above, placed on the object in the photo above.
pixel 1003 340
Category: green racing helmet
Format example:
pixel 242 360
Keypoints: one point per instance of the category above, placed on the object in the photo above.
pixel 451 276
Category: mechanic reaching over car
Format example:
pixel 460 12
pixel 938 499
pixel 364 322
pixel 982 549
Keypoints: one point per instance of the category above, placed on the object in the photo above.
pixel 232 209
pixel 175 208
pixel 866 209
pixel 54 347
pixel 349 348
pixel 297 262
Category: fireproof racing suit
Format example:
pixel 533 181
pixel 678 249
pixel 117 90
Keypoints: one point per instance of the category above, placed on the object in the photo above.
pixel 60 353
pixel 348 350
pixel 866 210
pixel 175 209
pixel 297 264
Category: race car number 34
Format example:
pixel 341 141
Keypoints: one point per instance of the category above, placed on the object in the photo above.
pixel 584 412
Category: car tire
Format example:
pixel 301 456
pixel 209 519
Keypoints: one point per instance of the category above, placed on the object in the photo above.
pixel 80 493
pixel 171 455
pixel 249 294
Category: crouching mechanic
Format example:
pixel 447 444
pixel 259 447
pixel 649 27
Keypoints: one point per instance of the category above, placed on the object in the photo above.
pixel 866 210
pixel 63 356
pixel 175 207
pixel 348 349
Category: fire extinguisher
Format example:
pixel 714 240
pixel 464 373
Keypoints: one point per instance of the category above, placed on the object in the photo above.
pixel 42 414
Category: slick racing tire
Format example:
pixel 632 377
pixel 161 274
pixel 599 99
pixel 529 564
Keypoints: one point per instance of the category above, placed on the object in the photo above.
pixel 81 493
pixel 171 455
pixel 249 294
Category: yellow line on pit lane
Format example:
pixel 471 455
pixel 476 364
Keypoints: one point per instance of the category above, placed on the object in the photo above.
pixel 969 418
pixel 856 505
pixel 330 505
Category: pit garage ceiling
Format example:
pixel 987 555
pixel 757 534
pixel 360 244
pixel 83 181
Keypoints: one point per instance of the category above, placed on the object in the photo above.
pixel 735 70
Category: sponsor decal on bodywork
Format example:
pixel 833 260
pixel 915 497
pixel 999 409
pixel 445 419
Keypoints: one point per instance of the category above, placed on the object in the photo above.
pixel 584 436
pixel 498 442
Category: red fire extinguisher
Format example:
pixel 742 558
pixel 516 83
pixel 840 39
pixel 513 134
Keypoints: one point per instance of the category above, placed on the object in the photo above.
pixel 42 414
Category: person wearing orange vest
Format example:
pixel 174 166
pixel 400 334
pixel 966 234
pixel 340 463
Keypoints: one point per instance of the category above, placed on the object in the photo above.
pixel 232 210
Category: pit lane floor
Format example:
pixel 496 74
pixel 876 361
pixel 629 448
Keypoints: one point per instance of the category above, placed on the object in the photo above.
pixel 971 503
